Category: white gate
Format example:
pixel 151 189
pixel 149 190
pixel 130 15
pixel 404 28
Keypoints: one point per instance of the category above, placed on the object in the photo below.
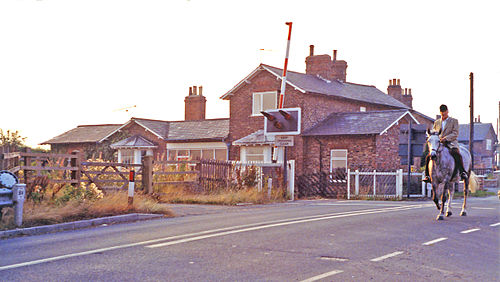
pixel 377 184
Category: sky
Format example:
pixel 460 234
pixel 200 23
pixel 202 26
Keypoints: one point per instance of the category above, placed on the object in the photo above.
pixel 65 63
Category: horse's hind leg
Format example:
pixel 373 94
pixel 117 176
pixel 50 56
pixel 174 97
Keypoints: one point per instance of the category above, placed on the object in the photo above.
pixel 466 191
pixel 451 192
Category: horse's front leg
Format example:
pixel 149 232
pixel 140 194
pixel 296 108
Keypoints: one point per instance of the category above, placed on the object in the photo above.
pixel 451 192
pixel 435 196
pixel 443 201
pixel 466 190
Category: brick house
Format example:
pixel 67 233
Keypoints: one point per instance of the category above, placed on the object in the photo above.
pixel 343 124
pixel 484 146
pixel 192 138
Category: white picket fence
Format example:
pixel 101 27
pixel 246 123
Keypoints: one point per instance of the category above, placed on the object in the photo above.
pixel 379 184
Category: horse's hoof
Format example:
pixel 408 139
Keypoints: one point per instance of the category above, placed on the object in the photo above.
pixel 463 213
pixel 448 214
pixel 440 217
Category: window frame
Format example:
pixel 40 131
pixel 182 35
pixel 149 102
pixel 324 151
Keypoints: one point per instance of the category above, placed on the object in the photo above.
pixel 332 158
pixel 261 97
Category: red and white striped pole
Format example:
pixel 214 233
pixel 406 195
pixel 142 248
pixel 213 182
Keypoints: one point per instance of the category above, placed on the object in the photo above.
pixel 131 186
pixel 283 78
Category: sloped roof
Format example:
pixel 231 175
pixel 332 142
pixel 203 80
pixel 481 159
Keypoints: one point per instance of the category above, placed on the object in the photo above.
pixel 84 134
pixel 307 83
pixel 209 129
pixel 358 123
pixel 256 138
pixel 481 131
pixel 159 127
pixel 133 142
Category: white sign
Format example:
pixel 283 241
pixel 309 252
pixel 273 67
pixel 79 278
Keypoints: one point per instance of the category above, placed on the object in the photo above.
pixel 283 141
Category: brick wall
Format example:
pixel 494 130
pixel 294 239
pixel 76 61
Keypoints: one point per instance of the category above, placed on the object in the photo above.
pixel 135 129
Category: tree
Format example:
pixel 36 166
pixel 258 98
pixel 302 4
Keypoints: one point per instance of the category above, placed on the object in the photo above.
pixel 11 139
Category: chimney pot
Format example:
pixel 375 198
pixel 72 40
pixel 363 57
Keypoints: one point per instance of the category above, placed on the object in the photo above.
pixel 200 88
pixel 394 81
pixel 399 82
pixel 195 90
pixel 190 91
pixel 406 91
pixel 409 91
pixel 311 50
pixel 390 82
pixel 334 55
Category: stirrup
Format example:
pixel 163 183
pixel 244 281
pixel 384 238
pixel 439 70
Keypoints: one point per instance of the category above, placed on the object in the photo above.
pixel 427 179
pixel 463 175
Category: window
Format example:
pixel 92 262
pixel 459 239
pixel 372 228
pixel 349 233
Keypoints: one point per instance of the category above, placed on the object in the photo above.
pixel 255 154
pixel 488 144
pixel 263 101
pixel 338 159
pixel 127 156
pixel 197 154
pixel 362 109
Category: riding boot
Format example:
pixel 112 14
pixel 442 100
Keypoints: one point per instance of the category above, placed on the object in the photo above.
pixel 427 178
pixel 459 163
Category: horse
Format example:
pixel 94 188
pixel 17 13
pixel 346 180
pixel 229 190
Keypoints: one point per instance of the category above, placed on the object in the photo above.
pixel 444 174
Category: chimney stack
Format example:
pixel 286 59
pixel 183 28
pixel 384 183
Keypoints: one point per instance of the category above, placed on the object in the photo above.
pixel 324 66
pixel 395 91
pixel 195 104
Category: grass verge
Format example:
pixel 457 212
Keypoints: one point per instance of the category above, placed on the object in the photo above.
pixel 222 197
pixel 46 212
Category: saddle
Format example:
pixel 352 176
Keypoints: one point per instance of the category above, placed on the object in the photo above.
pixel 455 169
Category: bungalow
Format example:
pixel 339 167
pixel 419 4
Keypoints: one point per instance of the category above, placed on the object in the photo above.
pixel 193 138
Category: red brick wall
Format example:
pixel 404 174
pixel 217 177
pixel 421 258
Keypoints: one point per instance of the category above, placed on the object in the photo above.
pixel 194 107
pixel 315 108
pixel 135 129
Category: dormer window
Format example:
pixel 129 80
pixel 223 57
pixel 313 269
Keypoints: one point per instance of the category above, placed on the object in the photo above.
pixel 263 101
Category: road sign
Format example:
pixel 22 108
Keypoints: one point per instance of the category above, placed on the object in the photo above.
pixel 283 141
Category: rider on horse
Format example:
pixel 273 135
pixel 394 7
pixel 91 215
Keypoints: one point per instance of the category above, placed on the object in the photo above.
pixel 448 127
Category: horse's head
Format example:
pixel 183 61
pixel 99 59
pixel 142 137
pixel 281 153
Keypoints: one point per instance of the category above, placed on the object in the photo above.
pixel 433 142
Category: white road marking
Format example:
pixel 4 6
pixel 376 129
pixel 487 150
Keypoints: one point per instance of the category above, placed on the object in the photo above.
pixel 434 241
pixel 321 276
pixel 271 225
pixel 478 208
pixel 495 224
pixel 293 220
pixel 470 230
pixel 387 256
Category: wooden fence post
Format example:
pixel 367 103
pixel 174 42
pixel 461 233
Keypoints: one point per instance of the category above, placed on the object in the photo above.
pixel 147 174
pixel 27 162
pixel 76 162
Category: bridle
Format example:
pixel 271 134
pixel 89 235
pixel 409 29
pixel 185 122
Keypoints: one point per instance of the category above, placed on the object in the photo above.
pixel 438 150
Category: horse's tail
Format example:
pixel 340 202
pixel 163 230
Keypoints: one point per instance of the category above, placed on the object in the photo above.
pixel 473 182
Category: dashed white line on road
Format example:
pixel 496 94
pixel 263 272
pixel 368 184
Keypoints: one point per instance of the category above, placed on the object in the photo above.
pixel 387 256
pixel 478 208
pixel 470 230
pixel 434 241
pixel 324 275
pixel 495 224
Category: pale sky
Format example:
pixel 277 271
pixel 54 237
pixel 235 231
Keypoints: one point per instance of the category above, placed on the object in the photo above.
pixel 66 62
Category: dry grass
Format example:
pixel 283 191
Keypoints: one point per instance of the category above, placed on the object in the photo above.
pixel 44 213
pixel 178 194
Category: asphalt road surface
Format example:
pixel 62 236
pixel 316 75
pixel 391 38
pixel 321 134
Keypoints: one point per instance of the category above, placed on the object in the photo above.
pixel 322 240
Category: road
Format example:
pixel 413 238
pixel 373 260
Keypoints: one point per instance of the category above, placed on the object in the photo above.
pixel 300 241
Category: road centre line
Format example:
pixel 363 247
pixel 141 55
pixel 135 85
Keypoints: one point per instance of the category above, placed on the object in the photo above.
pixel 386 256
pixel 321 276
pixel 481 208
pixel 495 224
pixel 245 227
pixel 434 241
pixel 271 225
pixel 470 230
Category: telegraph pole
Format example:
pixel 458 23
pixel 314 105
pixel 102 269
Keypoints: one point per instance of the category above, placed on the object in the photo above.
pixel 471 128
